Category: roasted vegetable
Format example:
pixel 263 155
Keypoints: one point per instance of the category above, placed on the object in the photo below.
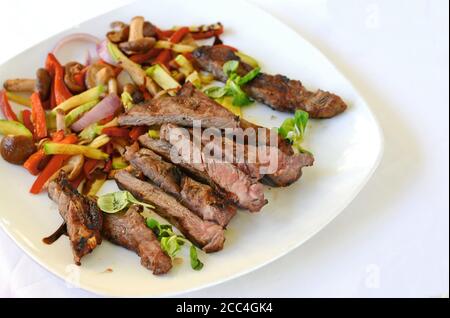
pixel 88 96
pixel 52 148
pixel 160 76
pixel 9 127
pixel 17 149
pixel 5 107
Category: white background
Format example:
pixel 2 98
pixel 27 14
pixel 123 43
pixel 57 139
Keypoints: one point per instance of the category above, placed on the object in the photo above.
pixel 393 240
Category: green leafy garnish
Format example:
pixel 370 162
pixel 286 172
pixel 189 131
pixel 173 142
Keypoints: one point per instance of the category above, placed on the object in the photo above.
pixel 233 85
pixel 171 243
pixel 118 201
pixel 196 264
pixel 293 129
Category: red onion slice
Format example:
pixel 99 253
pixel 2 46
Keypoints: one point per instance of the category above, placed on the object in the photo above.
pixel 107 107
pixel 75 37
pixel 103 53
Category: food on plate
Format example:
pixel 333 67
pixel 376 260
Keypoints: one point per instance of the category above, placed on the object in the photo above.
pixel 17 149
pixel 199 198
pixel 82 217
pixel 189 105
pixel 130 115
pixel 207 235
pixel 128 229
pixel 247 193
pixel 277 91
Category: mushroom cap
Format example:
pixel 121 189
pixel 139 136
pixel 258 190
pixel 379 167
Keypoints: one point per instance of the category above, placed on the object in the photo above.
pixel 96 74
pixel 43 83
pixel 71 69
pixel 138 46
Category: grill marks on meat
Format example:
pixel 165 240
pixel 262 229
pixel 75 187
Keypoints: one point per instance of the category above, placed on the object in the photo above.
pixel 81 214
pixel 207 235
pixel 183 110
pixel 128 229
pixel 277 91
pixel 196 196
pixel 248 193
pixel 163 148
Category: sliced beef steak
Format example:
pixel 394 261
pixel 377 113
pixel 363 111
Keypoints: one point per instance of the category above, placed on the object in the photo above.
pixel 81 214
pixel 128 229
pixel 207 235
pixel 277 91
pixel 248 192
pixel 189 106
pixel 163 148
pixel 198 197
pixel 290 164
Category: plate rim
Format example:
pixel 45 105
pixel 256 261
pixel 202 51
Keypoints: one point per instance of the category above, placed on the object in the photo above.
pixel 283 252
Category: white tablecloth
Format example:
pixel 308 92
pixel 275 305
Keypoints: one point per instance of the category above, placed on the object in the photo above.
pixel 393 240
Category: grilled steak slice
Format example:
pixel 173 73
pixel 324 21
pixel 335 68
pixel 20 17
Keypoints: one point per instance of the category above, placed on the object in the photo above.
pixel 290 164
pixel 183 110
pixel 163 148
pixel 202 199
pixel 196 196
pixel 207 235
pixel 248 193
pixel 128 229
pixel 165 175
pixel 81 214
pixel 277 91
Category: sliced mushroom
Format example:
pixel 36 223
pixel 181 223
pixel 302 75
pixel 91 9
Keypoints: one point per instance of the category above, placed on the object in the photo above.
pixel 72 69
pixel 104 75
pixel 43 83
pixel 136 29
pixel 113 88
pixel 137 43
pixel 93 78
pixel 20 85
pixel 120 34
pixel 138 46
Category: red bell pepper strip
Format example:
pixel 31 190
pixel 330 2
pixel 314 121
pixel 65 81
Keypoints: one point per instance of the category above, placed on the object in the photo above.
pixel 179 35
pixel 116 132
pixel 162 35
pixel 138 131
pixel 60 90
pixel 89 166
pixel 52 96
pixel 26 119
pixel 108 166
pixel 142 58
pixel 6 107
pixel 58 136
pixel 52 167
pixel 207 34
pixel 166 55
pixel 33 162
pixel 163 58
pixel 38 114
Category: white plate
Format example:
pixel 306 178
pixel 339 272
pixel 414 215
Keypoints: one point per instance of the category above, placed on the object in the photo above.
pixel 347 148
